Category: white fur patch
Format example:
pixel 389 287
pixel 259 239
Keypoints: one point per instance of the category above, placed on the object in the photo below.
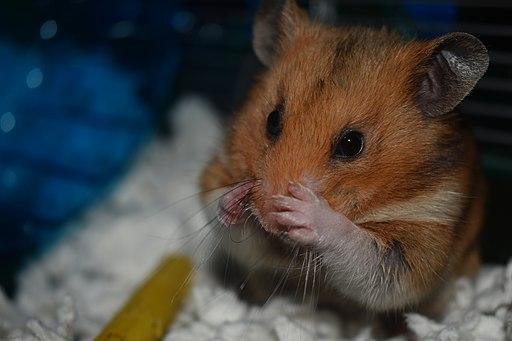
pixel 443 206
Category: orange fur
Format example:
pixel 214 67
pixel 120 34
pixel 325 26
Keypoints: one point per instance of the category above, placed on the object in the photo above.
pixel 330 79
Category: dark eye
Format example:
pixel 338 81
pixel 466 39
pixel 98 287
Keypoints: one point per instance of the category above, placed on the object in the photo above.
pixel 349 145
pixel 274 123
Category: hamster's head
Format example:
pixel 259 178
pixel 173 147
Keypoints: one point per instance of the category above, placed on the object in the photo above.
pixel 364 122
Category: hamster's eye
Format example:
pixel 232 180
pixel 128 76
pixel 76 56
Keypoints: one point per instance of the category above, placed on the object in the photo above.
pixel 274 123
pixel 349 145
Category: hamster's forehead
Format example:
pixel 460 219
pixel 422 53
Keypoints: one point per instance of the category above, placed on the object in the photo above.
pixel 331 81
pixel 351 59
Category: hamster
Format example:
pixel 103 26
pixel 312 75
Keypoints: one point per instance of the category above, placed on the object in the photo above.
pixel 346 170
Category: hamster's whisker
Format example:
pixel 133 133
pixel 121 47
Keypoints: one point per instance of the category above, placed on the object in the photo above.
pixel 239 215
pixel 253 268
pixel 171 238
pixel 238 201
pixel 227 264
pixel 284 276
pixel 187 197
pixel 307 277
pixel 242 212
pixel 197 266
pixel 317 280
pixel 300 275
pixel 252 234
pixel 313 281
pixel 281 281
pixel 195 232
pixel 205 238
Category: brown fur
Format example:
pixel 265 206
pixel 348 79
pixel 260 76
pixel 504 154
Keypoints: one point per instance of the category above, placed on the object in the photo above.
pixel 332 79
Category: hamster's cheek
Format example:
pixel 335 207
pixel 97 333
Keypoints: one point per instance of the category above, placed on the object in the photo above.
pixel 385 275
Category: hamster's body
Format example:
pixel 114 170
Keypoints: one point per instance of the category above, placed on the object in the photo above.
pixel 347 169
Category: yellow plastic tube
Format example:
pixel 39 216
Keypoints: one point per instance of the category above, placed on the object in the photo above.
pixel 152 308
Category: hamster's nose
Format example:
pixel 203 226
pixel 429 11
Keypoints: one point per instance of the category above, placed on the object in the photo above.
pixel 232 204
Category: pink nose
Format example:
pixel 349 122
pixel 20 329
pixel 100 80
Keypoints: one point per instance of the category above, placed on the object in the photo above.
pixel 232 204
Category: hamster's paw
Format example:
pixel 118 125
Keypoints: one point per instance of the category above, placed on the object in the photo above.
pixel 306 216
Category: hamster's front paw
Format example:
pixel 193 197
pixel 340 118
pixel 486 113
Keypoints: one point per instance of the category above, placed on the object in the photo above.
pixel 305 216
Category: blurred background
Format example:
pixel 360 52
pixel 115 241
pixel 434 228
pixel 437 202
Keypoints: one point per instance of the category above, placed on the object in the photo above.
pixel 85 84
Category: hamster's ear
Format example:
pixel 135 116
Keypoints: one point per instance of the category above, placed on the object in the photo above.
pixel 455 64
pixel 276 23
